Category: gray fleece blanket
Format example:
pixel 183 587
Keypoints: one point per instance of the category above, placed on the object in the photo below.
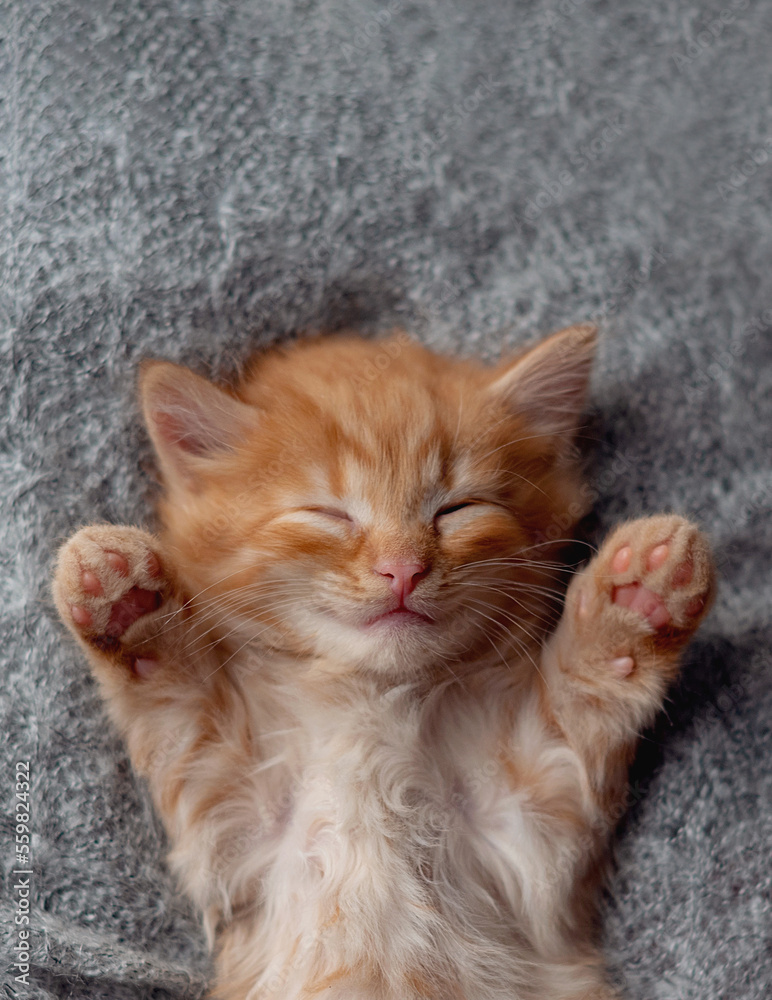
pixel 196 178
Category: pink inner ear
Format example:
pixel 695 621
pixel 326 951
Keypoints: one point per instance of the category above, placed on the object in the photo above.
pixel 177 433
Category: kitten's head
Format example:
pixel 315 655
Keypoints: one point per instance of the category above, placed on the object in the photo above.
pixel 371 502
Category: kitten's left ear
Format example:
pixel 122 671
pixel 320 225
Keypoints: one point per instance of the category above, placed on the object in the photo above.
pixel 548 384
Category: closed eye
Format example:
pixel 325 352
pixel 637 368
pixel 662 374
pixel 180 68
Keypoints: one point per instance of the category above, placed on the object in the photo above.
pixel 340 515
pixel 454 507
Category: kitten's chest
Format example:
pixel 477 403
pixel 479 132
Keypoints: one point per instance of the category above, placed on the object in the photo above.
pixel 383 781
pixel 401 820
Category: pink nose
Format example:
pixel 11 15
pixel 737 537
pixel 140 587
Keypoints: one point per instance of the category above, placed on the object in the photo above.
pixel 403 577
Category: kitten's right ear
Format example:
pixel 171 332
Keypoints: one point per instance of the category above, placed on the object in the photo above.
pixel 548 383
pixel 190 421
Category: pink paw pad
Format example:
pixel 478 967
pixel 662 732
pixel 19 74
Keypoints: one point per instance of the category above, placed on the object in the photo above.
pixel 109 585
pixel 145 666
pixel 81 616
pixel 108 603
pixel 117 562
pixel 647 602
pixel 132 606
pixel 642 597
pixel 622 666
pixel 638 598
pixel 622 559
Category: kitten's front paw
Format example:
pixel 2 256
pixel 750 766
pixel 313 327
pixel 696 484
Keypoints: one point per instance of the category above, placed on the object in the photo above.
pixel 109 586
pixel 645 592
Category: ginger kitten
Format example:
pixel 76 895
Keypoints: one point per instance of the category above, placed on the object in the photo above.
pixel 388 771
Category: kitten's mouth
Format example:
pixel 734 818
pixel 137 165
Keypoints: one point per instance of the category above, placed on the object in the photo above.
pixel 399 617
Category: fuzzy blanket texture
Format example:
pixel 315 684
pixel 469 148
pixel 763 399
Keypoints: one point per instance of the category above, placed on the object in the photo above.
pixel 192 180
